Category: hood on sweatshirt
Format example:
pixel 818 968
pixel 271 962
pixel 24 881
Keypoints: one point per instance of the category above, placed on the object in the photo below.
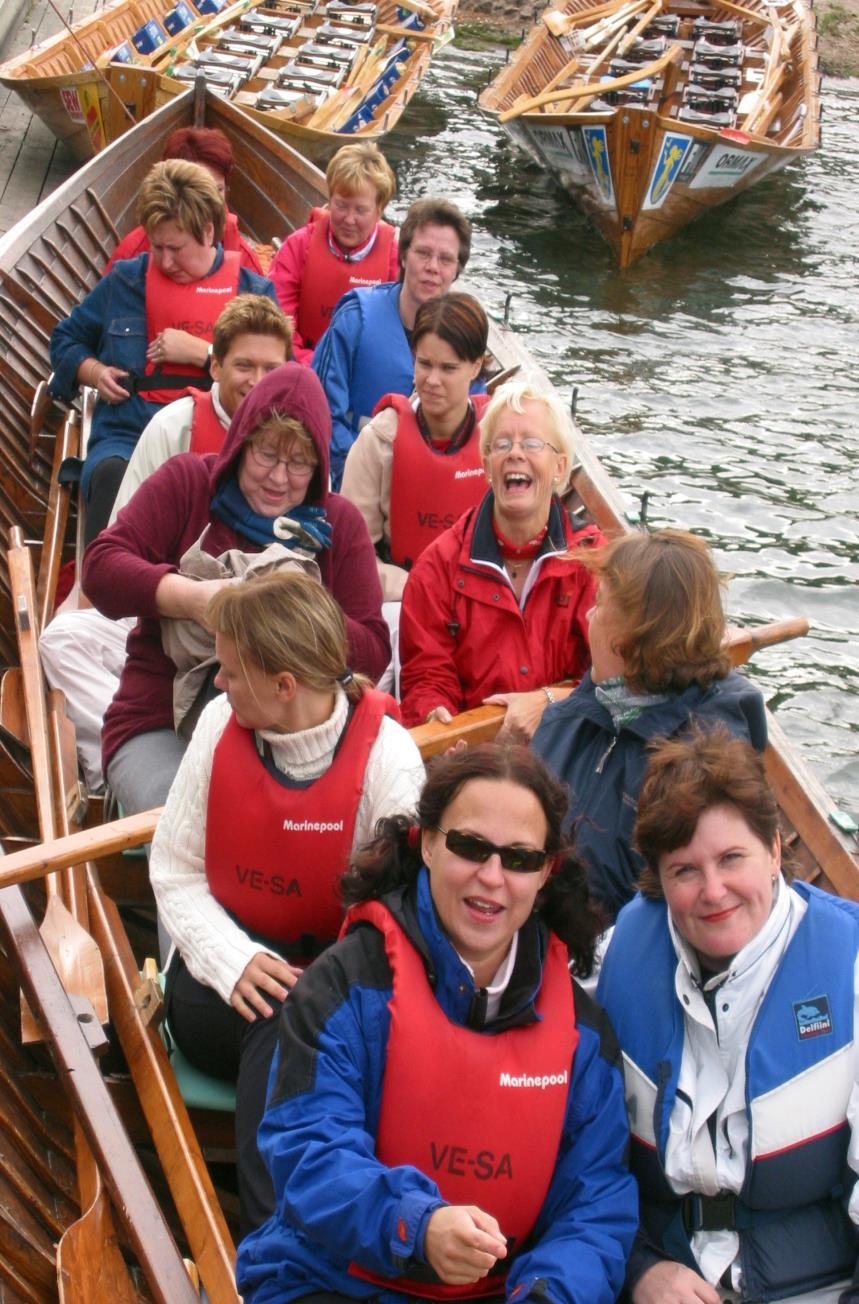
pixel 290 391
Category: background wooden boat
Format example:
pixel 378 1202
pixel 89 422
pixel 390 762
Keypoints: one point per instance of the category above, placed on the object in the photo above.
pixel 71 83
pixel 647 125
pixel 52 1138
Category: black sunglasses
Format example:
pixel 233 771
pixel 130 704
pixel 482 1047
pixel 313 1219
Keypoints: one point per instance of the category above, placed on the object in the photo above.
pixel 521 860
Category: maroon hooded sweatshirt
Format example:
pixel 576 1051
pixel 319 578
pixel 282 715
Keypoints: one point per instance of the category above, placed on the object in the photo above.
pixel 124 565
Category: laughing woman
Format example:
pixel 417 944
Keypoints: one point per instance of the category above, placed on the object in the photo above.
pixel 446 1113
pixel 495 610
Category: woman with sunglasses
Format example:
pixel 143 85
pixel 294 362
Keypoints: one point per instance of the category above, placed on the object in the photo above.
pixel 446 1115
pixel 268 484
pixel 495 610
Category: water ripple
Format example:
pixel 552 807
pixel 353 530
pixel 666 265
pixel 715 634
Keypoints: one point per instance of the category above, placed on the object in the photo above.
pixel 719 373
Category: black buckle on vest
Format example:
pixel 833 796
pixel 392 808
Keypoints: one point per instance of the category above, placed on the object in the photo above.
pixel 709 1213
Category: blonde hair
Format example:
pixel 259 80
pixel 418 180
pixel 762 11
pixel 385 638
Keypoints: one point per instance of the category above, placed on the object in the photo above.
pixel 514 395
pixel 184 193
pixel 287 621
pixel 359 165
pixel 667 596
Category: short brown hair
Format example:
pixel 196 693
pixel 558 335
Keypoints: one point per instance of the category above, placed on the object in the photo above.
pixel 250 314
pixel 687 776
pixel 456 318
pixel 184 193
pixel 361 164
pixel 667 594
pixel 435 212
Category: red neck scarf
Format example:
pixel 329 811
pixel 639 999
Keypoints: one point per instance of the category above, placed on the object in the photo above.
pixel 518 551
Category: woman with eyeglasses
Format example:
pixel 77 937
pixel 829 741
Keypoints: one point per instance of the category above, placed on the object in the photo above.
pixel 446 1115
pixel 268 484
pixel 495 609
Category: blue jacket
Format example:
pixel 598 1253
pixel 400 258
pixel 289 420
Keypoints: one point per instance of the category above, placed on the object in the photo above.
pixel 603 769
pixel 364 354
pixel 335 1201
pixel 795 1235
pixel 110 324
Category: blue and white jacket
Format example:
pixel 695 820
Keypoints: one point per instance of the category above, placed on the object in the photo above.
pixel 792 1182
pixel 335 1202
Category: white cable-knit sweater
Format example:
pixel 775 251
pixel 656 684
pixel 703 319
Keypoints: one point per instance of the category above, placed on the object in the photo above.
pixel 215 949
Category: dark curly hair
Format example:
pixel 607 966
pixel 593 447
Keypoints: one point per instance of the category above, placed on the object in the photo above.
pixel 390 861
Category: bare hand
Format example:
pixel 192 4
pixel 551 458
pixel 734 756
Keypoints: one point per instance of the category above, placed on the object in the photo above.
pixel 108 383
pixel 524 710
pixel 671 1283
pixel 263 973
pixel 462 1243
pixel 439 713
pixel 179 347
pixel 201 596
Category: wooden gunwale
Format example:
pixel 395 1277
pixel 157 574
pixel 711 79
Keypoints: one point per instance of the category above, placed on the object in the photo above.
pixel 269 175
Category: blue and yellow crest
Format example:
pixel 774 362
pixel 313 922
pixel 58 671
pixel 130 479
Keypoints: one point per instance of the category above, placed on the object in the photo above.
pixel 669 163
pixel 596 144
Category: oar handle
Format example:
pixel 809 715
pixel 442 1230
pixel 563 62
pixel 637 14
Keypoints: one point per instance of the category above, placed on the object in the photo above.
pixel 476 726
pixel 35 862
pixel 740 644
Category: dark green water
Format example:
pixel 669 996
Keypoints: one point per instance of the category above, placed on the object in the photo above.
pixel 719 373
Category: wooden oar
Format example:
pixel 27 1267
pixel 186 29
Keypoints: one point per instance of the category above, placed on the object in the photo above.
pixel 89 844
pixel 483 722
pixel 75 955
pixel 644 21
pixel 559 23
pixel 88 1251
pixel 589 90
pixel 421 9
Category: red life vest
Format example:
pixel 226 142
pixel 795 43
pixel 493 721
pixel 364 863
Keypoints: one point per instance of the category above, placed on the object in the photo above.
pixel 326 278
pixel 429 490
pixel 194 308
pixel 481 1115
pixel 275 854
pixel 207 432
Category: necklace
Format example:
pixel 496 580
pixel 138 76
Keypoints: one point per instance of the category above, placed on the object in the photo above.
pixel 517 556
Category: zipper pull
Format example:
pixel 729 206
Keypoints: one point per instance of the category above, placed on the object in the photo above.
pixel 606 754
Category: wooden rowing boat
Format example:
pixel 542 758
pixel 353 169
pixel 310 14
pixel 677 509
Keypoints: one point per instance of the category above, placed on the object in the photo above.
pixel 649 112
pixel 70 1177
pixel 318 72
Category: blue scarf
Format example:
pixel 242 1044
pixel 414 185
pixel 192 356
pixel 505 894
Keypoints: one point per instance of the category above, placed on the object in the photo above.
pixel 301 527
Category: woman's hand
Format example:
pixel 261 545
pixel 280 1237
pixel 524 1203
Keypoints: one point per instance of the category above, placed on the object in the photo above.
pixel 105 380
pixel 179 347
pixel 524 710
pixel 182 598
pixel 462 1243
pixel 439 713
pixel 263 973
pixel 671 1283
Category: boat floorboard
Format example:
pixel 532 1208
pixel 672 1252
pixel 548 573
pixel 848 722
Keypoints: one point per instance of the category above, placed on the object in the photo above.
pixel 32 162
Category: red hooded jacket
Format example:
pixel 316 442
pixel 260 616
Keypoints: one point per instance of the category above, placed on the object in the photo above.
pixel 171 509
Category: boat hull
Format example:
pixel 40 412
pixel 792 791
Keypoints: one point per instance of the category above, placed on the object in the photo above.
pixel 82 105
pixel 640 171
